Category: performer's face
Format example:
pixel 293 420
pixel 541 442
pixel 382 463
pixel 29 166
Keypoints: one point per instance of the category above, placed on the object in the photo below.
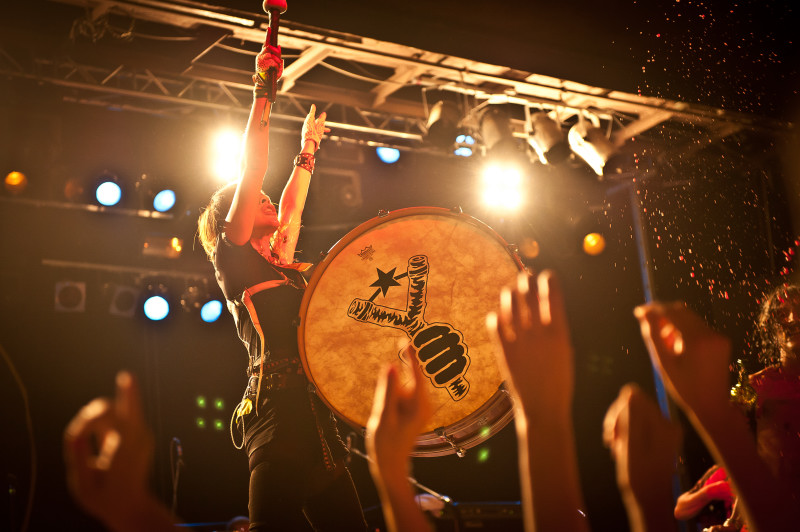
pixel 788 316
pixel 266 216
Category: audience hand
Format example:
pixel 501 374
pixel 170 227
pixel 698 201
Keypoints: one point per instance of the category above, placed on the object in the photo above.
pixel 691 358
pixel 111 482
pixel 536 357
pixel 644 446
pixel 398 416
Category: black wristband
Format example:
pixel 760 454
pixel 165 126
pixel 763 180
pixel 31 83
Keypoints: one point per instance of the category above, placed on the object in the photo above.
pixel 305 161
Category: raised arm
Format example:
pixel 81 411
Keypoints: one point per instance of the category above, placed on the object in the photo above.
pixel 294 195
pixel 536 360
pixel 693 361
pixel 254 157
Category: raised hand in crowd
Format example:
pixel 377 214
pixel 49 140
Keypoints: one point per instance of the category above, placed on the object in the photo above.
pixel 399 413
pixel 644 447
pixel 536 359
pixel 693 362
pixel 108 450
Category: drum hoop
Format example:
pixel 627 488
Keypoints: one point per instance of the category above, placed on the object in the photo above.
pixel 352 235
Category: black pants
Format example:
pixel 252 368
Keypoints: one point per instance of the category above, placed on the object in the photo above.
pixel 283 498
pixel 290 485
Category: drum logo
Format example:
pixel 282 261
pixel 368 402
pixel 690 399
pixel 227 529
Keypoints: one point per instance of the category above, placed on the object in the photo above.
pixel 440 347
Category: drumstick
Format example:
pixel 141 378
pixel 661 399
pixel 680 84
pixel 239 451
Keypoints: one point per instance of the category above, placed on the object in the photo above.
pixel 273 8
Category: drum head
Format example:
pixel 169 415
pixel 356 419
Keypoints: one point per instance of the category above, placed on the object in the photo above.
pixel 423 276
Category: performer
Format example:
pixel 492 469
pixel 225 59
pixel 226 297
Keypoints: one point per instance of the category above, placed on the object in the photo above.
pixel 296 458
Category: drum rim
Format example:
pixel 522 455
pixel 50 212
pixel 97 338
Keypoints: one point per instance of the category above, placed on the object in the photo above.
pixel 444 448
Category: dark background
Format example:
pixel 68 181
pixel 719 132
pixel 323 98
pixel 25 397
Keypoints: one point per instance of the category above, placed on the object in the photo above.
pixel 715 223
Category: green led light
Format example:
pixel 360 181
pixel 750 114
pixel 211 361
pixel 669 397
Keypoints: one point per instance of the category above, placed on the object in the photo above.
pixel 201 401
pixel 486 431
pixel 483 455
pixel 218 424
pixel 201 423
pixel 219 404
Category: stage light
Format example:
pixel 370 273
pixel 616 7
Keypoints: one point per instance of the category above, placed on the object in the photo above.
pixel 548 139
pixel 388 155
pixel 70 296
pixel 219 403
pixel 219 425
pixel 442 124
pixel 496 132
pixel 201 401
pixel 502 187
pixel 225 152
pixel 123 301
pixel 156 306
pixel 200 422
pixel 164 200
pixel 108 193
pixel 168 247
pixel 16 182
pixel 211 311
pixel 590 143
pixel 464 145
pixel 594 244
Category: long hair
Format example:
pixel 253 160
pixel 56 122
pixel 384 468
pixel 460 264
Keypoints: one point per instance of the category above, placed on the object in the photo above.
pixel 212 219
pixel 770 328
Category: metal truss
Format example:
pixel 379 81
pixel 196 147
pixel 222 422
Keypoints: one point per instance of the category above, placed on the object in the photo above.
pixel 373 91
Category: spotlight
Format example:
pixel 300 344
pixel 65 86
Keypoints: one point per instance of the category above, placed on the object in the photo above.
pixel 154 194
pixel 502 187
pixel 156 306
pixel 496 132
pixel 465 144
pixel 548 139
pixel 388 155
pixel 108 193
pixel 16 182
pixel 442 124
pixel 211 311
pixel 590 143
pixel 123 301
pixel 70 296
pixel 227 146
pixel 594 244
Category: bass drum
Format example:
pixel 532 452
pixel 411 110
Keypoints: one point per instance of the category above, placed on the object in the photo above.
pixel 423 276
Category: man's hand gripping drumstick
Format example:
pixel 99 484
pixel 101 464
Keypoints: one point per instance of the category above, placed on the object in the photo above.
pixel 440 348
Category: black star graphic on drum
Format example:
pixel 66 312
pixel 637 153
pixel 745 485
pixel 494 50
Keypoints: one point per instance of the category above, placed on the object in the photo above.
pixel 385 280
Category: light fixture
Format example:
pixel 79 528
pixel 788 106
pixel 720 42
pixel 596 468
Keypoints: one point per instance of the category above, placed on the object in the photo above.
pixel 196 298
pixel 465 145
pixel 442 124
pixel 15 182
pixel 156 305
pixel 589 141
pixel 168 247
pixel 548 139
pixel 155 194
pixel 226 148
pixel 388 155
pixel 496 132
pixel 594 243
pixel 502 187
pixel 124 299
pixel 70 296
pixel 107 190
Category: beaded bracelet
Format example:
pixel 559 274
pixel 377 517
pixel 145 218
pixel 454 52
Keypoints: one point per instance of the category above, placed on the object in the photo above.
pixel 305 161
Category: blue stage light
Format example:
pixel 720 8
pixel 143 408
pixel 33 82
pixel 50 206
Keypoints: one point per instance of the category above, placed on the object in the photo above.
pixel 108 193
pixel 388 155
pixel 156 308
pixel 211 311
pixel 164 200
